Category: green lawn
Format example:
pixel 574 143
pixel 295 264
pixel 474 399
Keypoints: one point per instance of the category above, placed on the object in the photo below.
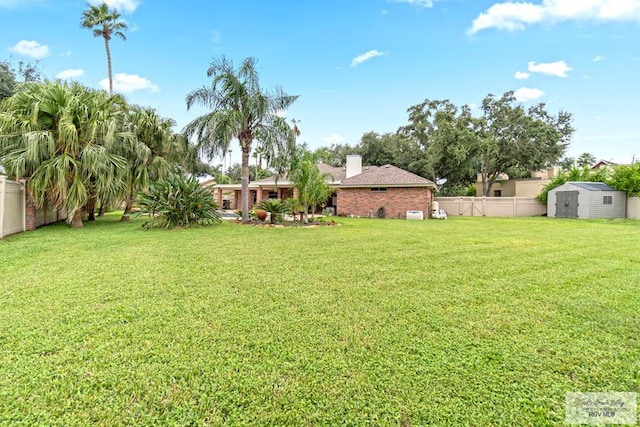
pixel 469 321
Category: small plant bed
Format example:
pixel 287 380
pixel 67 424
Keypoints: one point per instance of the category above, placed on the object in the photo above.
pixel 278 213
pixel 319 222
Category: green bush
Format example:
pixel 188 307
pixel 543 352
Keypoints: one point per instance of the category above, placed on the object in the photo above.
pixel 276 207
pixel 178 202
pixel 627 178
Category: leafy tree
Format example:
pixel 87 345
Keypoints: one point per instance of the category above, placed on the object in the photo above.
pixel 336 154
pixel 506 138
pixel 235 174
pixel 566 163
pixel 177 201
pixel 392 148
pixel 586 159
pixel 7 80
pixel 104 23
pixel 239 109
pixel 11 75
pixel 313 188
pixel 627 178
pixel 450 138
pixel 61 136
pixel 516 141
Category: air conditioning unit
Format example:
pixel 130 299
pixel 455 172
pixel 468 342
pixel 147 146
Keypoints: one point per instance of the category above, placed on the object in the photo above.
pixel 415 215
pixel 330 210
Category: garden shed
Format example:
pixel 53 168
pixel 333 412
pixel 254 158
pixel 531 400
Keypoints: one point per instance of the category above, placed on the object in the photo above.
pixel 586 200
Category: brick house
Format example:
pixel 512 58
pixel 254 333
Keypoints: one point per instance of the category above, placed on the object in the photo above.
pixel 359 190
pixel 382 191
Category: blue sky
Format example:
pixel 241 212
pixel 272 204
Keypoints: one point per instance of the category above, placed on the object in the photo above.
pixel 358 65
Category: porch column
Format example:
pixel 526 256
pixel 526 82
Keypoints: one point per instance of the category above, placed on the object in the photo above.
pixel 219 197
pixel 258 195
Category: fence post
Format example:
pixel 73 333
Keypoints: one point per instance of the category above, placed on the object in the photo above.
pixel 3 195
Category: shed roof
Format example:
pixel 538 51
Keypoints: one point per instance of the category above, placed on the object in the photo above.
pixel 592 186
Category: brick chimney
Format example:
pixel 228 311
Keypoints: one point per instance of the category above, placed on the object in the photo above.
pixel 354 165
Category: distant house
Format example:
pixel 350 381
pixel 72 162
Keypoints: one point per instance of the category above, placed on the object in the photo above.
pixel 586 200
pixel 521 187
pixel 603 164
pixel 358 190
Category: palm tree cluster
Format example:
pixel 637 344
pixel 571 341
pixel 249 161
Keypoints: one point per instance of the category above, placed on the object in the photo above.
pixel 78 145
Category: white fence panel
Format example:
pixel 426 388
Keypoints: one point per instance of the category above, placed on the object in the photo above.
pixel 12 208
pixel 491 206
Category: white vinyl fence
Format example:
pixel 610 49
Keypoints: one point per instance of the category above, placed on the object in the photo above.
pixel 12 207
pixel 633 207
pixel 491 206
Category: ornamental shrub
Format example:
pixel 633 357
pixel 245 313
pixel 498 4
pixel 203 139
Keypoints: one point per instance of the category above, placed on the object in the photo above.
pixel 177 201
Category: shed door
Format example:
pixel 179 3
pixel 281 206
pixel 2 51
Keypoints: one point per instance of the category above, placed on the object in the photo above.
pixel 567 204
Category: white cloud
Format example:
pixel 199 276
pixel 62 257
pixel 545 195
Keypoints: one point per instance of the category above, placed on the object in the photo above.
pixel 125 6
pixel 127 83
pixel 525 94
pixel 365 57
pixel 513 16
pixel 69 74
pixel 30 48
pixel 558 68
pixel 334 138
pixel 521 75
pixel 598 58
pixel 416 3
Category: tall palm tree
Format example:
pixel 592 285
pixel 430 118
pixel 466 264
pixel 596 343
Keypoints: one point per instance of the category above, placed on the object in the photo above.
pixel 60 136
pixel 239 109
pixel 313 187
pixel 586 159
pixel 104 23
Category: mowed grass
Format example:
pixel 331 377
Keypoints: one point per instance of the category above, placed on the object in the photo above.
pixel 468 321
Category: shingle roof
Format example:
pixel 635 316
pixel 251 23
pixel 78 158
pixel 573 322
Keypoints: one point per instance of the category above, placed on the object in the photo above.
pixel 338 173
pixel 592 186
pixel 371 176
pixel 386 175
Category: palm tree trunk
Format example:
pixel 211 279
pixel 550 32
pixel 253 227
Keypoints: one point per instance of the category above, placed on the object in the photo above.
pixel 91 207
pixel 127 207
pixel 76 221
pixel 246 148
pixel 106 46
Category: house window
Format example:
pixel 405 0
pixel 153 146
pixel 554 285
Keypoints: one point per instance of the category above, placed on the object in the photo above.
pixel 273 195
pixel 607 200
pixel 379 189
pixel 497 193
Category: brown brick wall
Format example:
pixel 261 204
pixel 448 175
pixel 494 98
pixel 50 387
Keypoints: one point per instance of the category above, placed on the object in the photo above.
pixel 396 201
pixel 30 210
